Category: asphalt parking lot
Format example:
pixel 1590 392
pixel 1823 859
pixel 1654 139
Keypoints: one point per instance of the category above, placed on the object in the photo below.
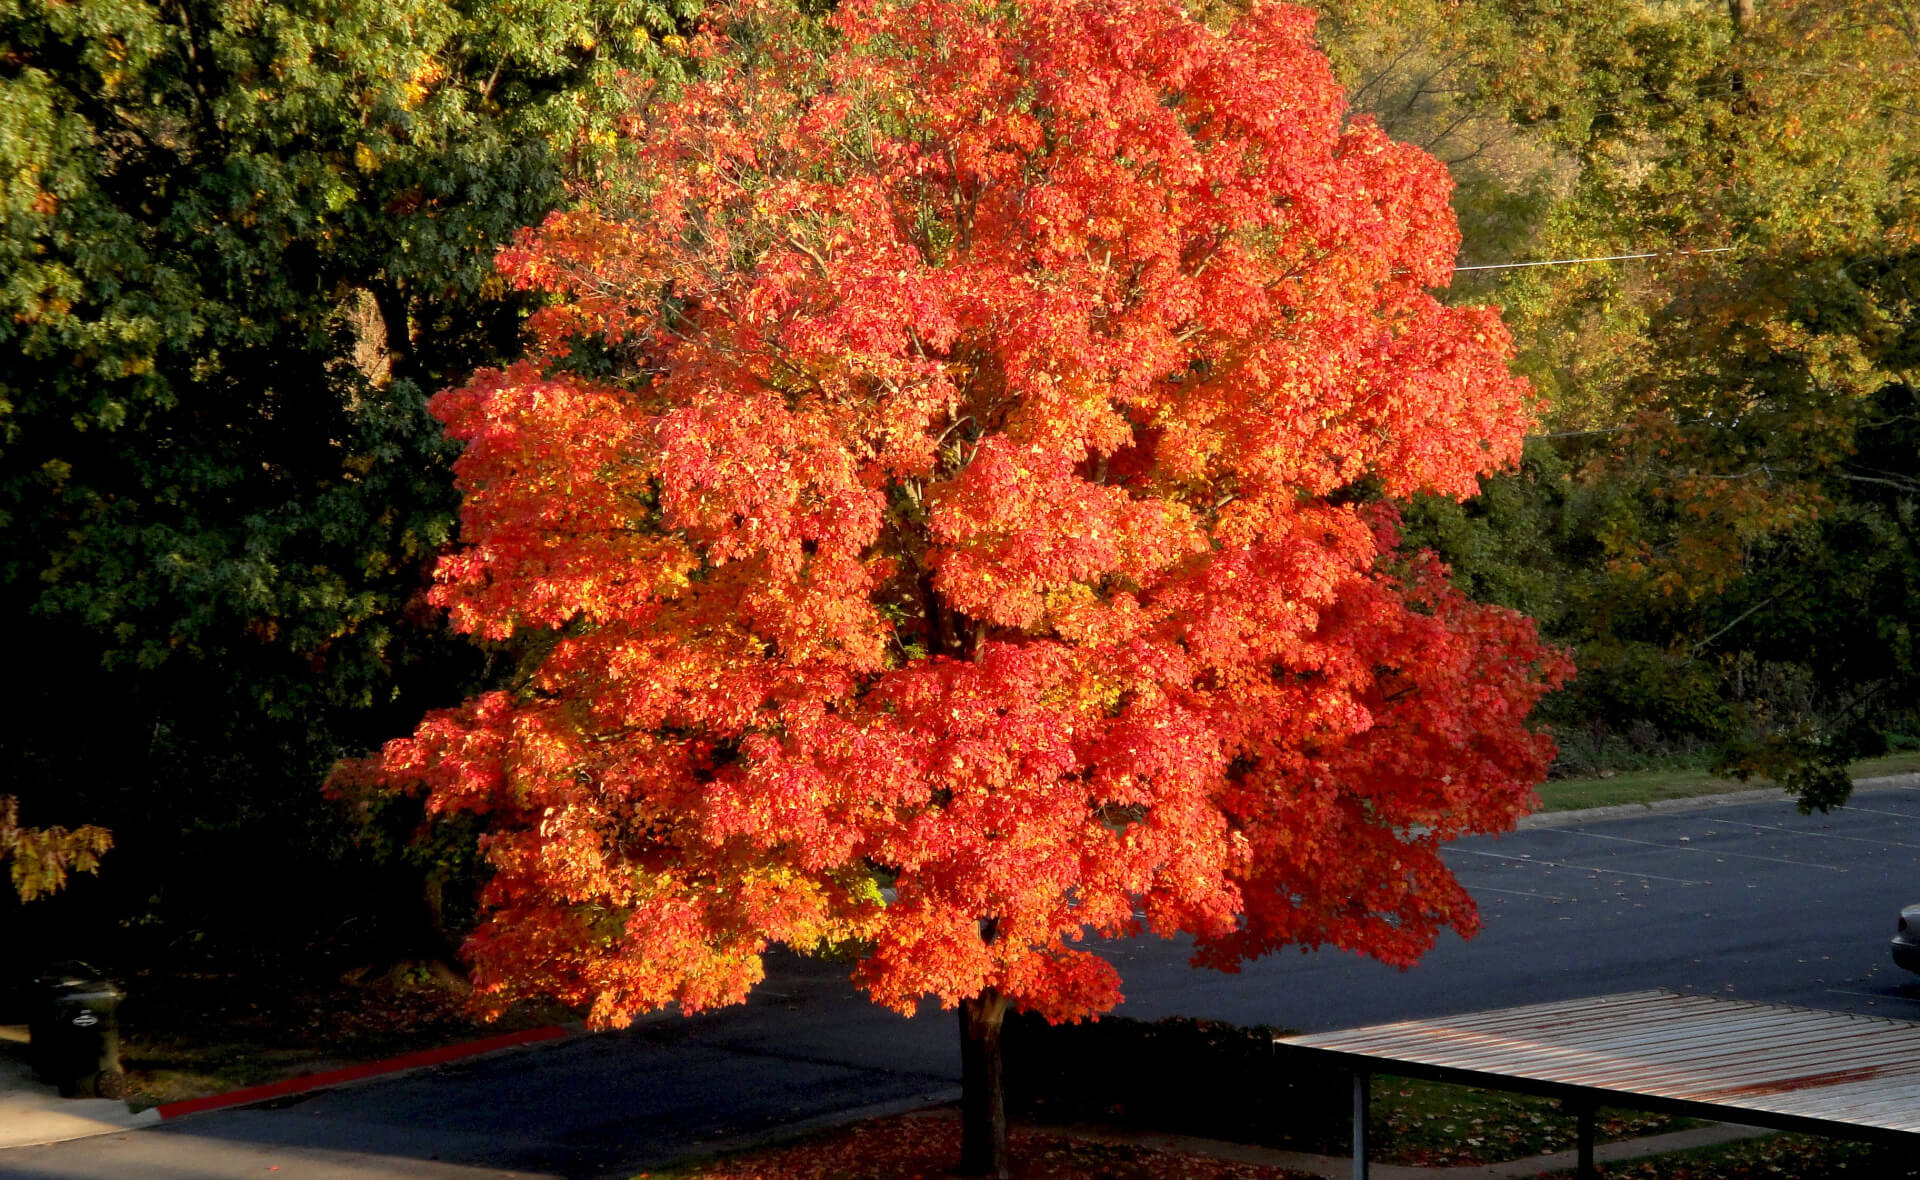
pixel 1751 900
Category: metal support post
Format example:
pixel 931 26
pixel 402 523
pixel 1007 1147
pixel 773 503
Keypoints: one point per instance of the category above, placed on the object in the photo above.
pixel 1361 1094
pixel 1585 1168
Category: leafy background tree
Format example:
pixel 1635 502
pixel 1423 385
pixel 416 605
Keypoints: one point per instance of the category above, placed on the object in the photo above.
pixel 239 245
pixel 1717 511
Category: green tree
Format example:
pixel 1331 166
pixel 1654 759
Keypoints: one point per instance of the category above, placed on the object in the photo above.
pixel 1733 513
pixel 239 244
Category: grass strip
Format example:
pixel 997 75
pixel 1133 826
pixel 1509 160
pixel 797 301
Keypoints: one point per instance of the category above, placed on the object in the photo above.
pixel 1652 786
pixel 1443 1125
pixel 1777 1157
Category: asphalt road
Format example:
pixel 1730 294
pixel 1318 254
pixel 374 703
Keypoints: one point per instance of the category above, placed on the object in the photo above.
pixel 1751 900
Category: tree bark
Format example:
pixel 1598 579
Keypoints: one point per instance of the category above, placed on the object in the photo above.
pixel 983 1087
pixel 392 305
pixel 1740 12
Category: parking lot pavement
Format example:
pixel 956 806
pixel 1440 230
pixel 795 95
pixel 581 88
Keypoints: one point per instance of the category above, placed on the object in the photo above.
pixel 805 1050
pixel 1746 898
pixel 1753 899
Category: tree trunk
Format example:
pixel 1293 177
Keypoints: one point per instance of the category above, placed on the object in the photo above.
pixel 392 305
pixel 983 1087
pixel 1740 12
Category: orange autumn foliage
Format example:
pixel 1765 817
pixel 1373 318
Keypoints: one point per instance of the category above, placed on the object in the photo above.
pixel 937 462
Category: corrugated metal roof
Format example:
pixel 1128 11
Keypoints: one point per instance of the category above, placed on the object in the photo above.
pixel 1785 1065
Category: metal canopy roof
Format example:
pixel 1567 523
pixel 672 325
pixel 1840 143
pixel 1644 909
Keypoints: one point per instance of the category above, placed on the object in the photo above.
pixel 1761 1064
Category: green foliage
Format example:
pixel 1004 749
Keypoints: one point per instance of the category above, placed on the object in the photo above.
pixel 1724 529
pixel 242 240
pixel 239 243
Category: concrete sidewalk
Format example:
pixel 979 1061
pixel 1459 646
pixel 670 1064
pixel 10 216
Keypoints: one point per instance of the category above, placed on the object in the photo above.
pixel 33 1112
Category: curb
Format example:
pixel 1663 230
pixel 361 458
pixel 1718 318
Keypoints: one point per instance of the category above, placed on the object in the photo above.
pixel 1555 819
pixel 354 1073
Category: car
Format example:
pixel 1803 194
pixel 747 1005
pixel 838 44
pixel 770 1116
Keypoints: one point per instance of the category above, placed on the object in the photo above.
pixel 1906 944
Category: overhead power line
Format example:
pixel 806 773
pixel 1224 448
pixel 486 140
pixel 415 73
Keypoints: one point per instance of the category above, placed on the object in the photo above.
pixel 1601 258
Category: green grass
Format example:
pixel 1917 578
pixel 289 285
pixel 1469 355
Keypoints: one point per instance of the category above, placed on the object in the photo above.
pixel 1650 786
pixel 1779 1157
pixel 1436 1124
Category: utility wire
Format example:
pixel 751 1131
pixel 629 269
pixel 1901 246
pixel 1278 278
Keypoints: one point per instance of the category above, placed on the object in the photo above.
pixel 1602 258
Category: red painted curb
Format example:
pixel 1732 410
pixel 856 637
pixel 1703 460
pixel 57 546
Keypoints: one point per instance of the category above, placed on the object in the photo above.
pixel 353 1073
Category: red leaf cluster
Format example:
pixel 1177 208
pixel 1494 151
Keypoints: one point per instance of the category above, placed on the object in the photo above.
pixel 939 464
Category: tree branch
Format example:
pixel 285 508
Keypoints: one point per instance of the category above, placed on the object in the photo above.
pixel 1697 648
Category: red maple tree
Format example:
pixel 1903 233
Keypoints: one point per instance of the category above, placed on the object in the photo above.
pixel 950 476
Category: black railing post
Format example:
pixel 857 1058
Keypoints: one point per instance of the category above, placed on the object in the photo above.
pixel 1361 1094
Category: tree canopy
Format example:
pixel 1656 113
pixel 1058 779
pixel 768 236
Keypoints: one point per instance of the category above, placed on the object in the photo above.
pixel 239 244
pixel 947 472
pixel 240 240
pixel 1717 511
